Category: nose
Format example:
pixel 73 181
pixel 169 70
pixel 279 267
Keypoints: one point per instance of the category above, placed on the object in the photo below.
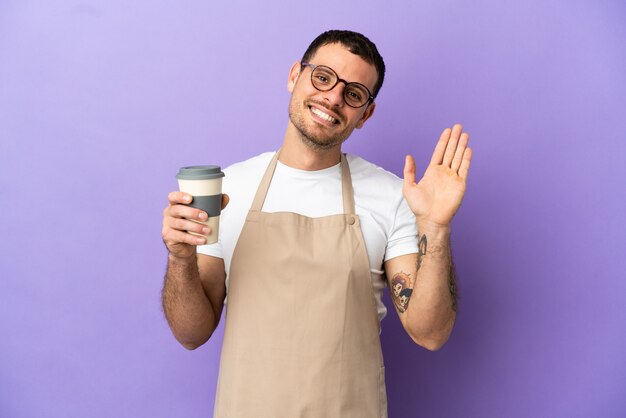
pixel 335 95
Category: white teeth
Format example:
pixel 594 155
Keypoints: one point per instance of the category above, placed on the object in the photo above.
pixel 323 115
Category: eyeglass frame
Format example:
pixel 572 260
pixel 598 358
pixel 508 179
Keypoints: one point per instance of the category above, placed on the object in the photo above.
pixel 346 83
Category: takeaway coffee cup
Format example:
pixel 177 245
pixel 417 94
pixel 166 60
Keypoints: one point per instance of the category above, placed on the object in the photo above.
pixel 204 183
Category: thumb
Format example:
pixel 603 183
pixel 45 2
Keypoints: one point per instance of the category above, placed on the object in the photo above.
pixel 409 170
pixel 225 200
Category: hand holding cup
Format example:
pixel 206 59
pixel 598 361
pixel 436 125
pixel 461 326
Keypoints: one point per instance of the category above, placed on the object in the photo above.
pixel 192 215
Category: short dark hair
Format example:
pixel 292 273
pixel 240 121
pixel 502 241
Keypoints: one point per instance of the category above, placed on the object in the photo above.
pixel 357 44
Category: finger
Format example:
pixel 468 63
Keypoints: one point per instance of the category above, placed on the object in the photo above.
pixel 409 170
pixel 182 211
pixel 225 200
pixel 179 237
pixel 189 226
pixel 460 150
pixel 440 149
pixel 452 143
pixel 465 163
pixel 179 197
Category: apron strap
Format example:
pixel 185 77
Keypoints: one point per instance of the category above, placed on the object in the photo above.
pixel 261 192
pixel 346 186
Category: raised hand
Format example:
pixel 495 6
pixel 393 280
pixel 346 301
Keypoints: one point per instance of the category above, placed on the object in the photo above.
pixel 438 195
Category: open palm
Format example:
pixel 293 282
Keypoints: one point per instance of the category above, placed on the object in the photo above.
pixel 438 195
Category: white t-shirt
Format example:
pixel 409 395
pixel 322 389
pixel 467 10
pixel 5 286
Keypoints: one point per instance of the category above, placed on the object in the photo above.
pixel 388 225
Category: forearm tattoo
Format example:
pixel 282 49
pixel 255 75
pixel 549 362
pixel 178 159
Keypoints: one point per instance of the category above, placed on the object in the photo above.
pixel 402 283
pixel 454 291
pixel 421 245
pixel 402 288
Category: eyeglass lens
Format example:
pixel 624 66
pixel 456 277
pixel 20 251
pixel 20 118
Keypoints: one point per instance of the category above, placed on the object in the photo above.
pixel 324 79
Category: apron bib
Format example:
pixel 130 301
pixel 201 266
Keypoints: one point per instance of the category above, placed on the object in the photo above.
pixel 302 331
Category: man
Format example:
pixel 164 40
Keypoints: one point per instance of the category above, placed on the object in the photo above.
pixel 307 241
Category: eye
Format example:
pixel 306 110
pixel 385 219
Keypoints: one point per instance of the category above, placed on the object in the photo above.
pixel 321 78
pixel 355 94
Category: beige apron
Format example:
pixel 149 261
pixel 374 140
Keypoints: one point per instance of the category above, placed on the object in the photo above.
pixel 302 330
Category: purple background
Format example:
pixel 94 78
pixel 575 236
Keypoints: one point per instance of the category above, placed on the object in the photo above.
pixel 102 101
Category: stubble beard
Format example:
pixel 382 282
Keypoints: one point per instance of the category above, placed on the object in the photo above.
pixel 316 141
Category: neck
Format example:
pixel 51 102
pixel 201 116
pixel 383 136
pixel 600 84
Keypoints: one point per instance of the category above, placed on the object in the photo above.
pixel 296 153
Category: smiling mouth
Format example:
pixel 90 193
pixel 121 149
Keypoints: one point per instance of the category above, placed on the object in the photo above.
pixel 323 115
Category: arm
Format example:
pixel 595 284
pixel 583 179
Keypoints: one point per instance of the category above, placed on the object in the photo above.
pixel 423 285
pixel 194 287
pixel 427 281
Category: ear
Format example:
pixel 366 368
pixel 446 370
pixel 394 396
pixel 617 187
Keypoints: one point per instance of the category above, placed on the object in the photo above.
pixel 294 73
pixel 369 111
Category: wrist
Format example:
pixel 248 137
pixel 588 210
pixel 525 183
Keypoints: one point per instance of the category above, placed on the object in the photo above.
pixel 434 231
pixel 182 260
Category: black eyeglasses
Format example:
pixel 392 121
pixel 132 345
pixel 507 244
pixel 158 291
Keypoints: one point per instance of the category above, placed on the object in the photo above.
pixel 324 78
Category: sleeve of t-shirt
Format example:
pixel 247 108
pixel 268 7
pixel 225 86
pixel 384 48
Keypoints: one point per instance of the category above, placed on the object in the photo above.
pixel 214 250
pixel 403 235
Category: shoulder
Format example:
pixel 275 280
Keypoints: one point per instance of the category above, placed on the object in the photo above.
pixel 363 171
pixel 242 179
pixel 249 166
